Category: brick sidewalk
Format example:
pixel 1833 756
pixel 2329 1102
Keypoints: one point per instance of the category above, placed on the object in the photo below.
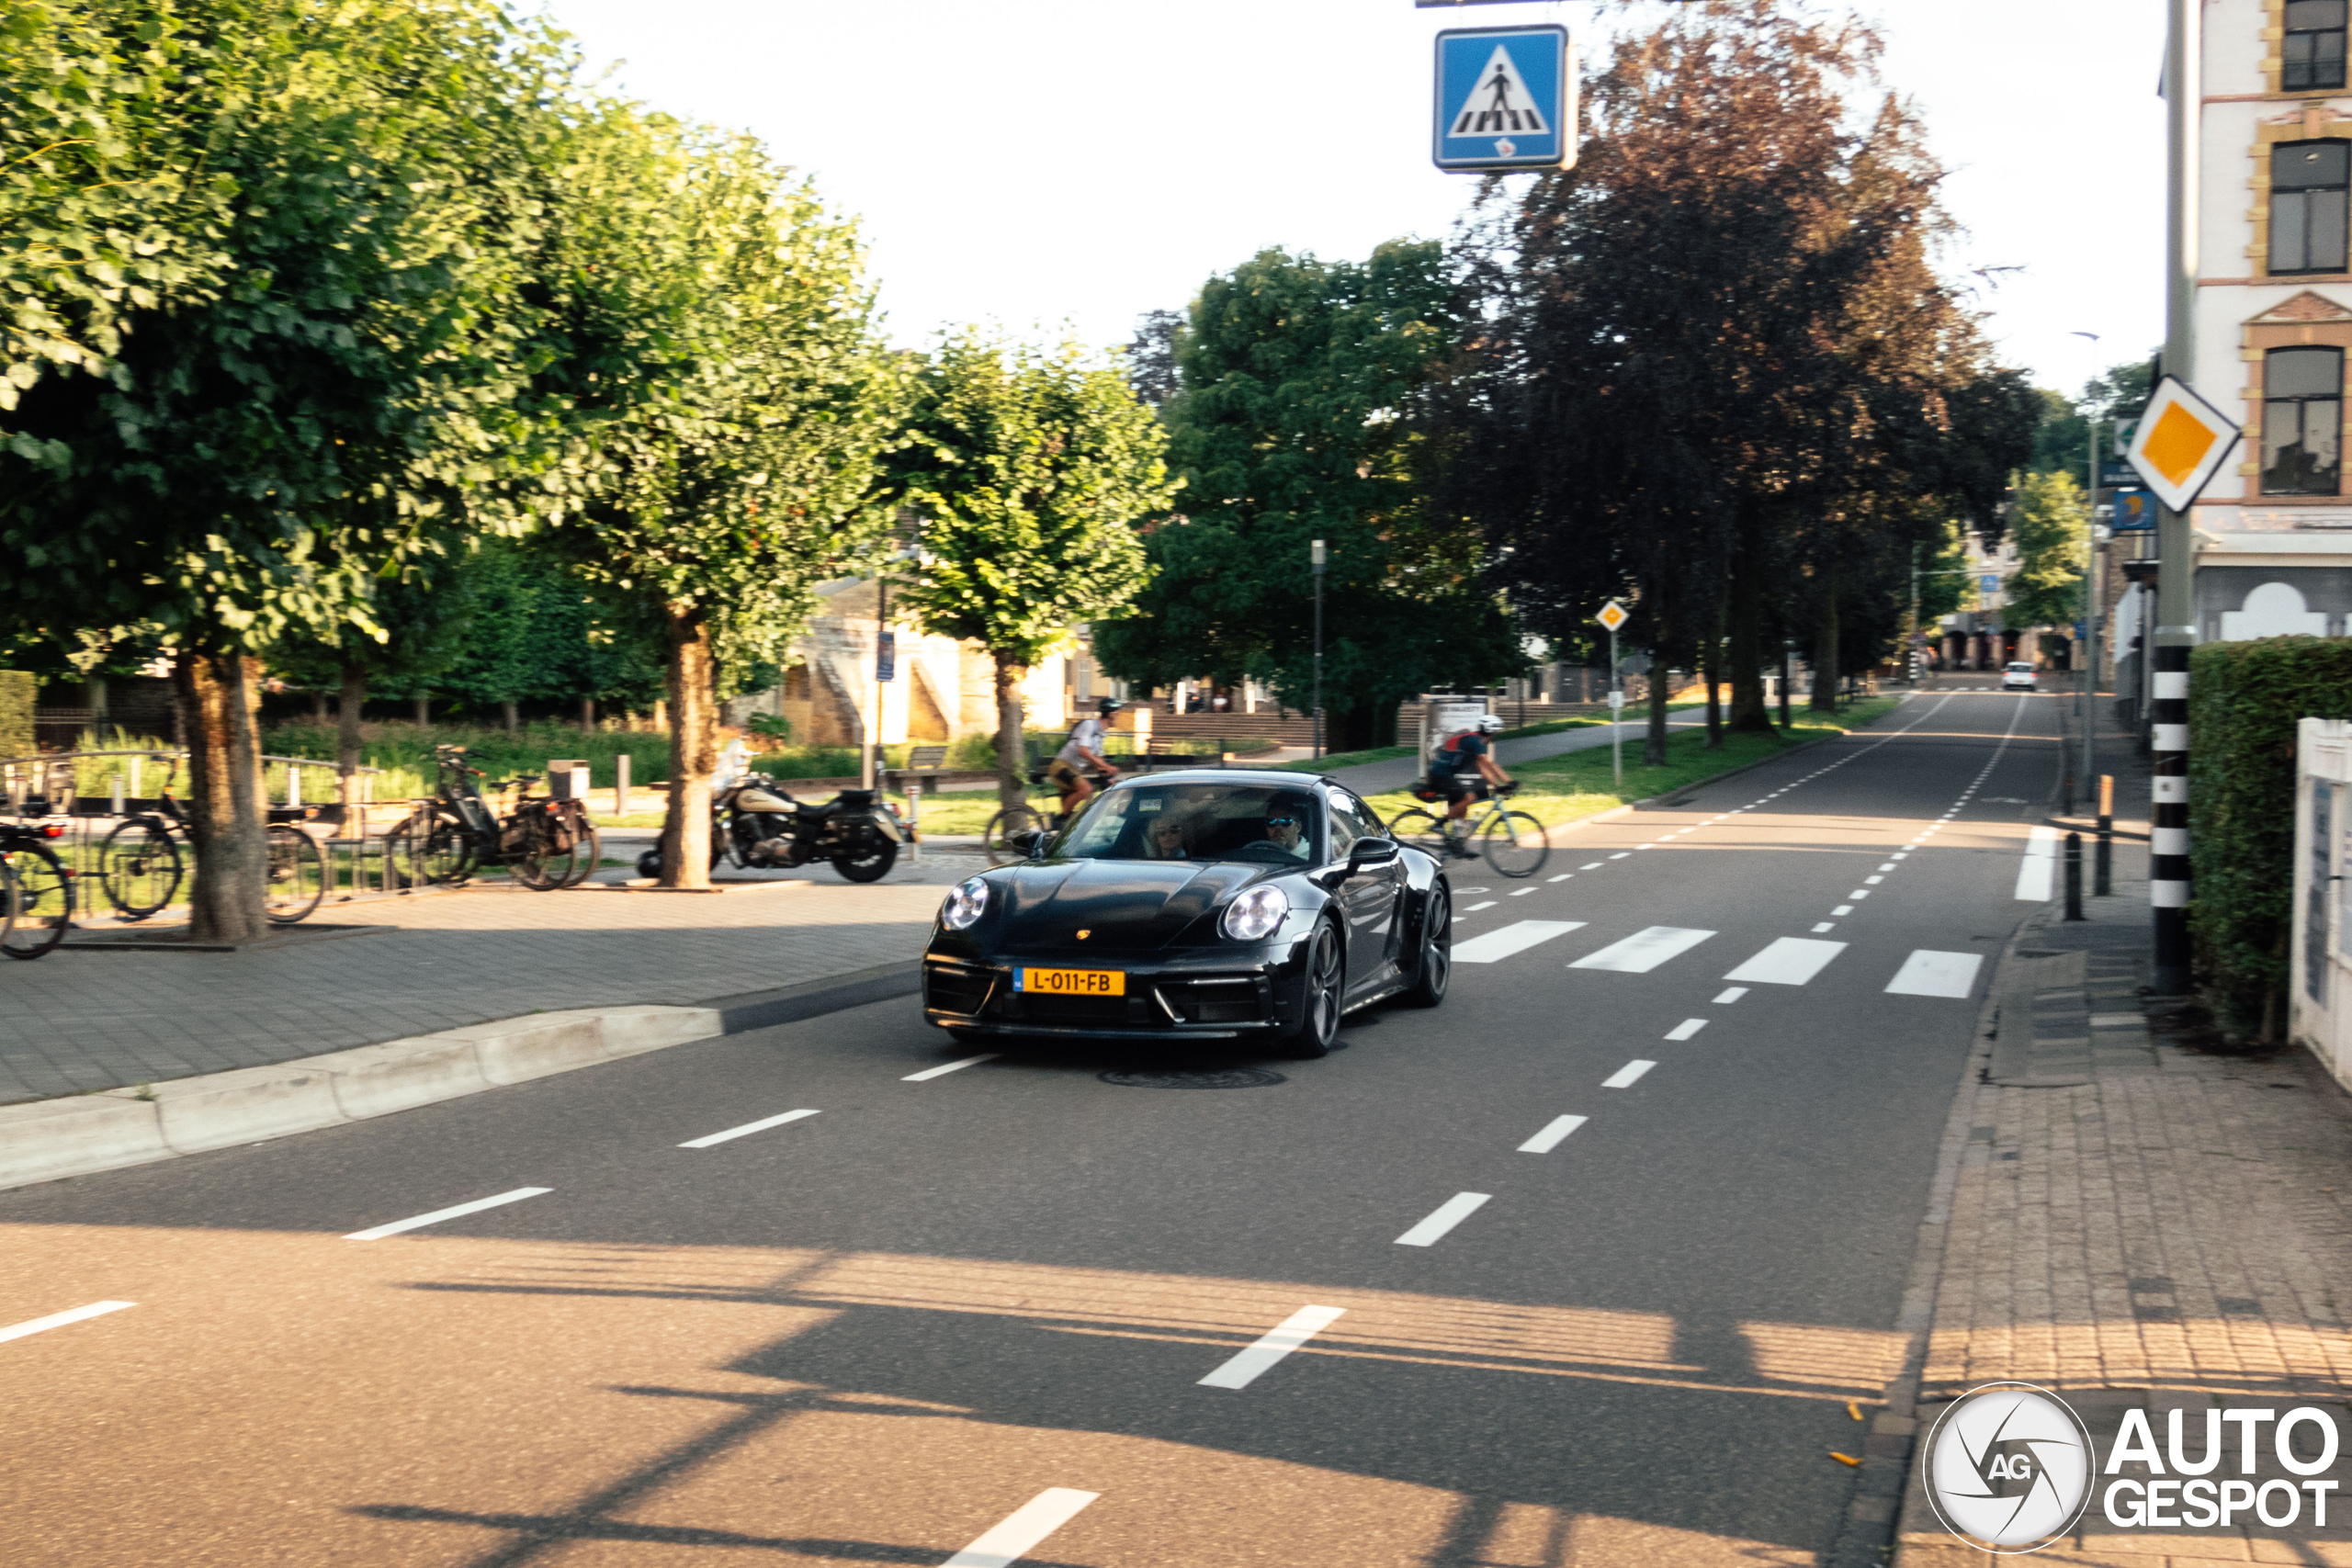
pixel 76 1021
pixel 2138 1218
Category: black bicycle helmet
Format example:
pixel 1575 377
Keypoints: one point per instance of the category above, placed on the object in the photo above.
pixel 1107 707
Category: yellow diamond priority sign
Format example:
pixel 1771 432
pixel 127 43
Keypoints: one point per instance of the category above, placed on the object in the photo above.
pixel 1612 615
pixel 2179 444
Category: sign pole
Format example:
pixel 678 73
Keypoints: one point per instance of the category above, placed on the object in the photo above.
pixel 1317 562
pixel 1616 713
pixel 2175 599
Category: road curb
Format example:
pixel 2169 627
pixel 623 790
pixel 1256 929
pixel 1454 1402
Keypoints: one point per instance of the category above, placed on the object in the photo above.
pixel 47 1140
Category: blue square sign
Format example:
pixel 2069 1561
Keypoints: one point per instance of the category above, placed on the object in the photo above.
pixel 1505 99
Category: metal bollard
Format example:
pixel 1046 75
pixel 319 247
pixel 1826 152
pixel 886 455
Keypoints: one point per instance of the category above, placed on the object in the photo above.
pixel 2103 869
pixel 2074 876
pixel 620 785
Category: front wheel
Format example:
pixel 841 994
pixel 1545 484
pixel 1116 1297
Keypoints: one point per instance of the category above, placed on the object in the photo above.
pixel 1418 828
pixel 40 907
pixel 298 876
pixel 1436 973
pixel 1318 1023
pixel 1514 844
pixel 139 868
pixel 999 840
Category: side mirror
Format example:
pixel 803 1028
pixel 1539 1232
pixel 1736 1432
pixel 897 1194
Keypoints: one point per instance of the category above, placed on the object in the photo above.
pixel 1372 851
pixel 1032 841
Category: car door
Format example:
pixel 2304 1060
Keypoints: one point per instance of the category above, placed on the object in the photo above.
pixel 1371 897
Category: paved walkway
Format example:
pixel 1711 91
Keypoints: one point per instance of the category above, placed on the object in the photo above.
pixel 76 1021
pixel 2139 1216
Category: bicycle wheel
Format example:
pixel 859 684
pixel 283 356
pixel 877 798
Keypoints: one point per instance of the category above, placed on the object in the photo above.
pixel 41 902
pixel 427 852
pixel 997 841
pixel 538 864
pixel 298 876
pixel 589 851
pixel 139 868
pixel 1514 843
pixel 1418 828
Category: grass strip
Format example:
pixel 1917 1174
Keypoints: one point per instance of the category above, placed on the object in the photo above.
pixel 1576 784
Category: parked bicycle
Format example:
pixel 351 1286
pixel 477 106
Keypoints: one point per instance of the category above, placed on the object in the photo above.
pixel 140 864
pixel 36 889
pixel 545 843
pixel 1007 837
pixel 1513 843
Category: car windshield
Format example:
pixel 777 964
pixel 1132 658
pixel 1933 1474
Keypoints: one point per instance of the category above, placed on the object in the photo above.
pixel 1268 824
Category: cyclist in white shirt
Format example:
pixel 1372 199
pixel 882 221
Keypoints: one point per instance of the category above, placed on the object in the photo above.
pixel 1083 748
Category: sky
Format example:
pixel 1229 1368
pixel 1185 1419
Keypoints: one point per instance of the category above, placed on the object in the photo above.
pixel 1056 169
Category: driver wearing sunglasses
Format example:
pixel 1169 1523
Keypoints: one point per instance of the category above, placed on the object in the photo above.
pixel 1286 826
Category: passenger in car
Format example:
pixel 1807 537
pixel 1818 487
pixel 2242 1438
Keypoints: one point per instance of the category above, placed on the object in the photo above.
pixel 1169 837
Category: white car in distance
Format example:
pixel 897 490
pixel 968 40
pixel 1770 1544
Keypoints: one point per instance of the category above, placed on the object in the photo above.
pixel 2017 676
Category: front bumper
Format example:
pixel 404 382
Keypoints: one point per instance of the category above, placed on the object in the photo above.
pixel 1232 993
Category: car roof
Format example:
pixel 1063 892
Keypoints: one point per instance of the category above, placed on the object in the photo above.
pixel 1263 777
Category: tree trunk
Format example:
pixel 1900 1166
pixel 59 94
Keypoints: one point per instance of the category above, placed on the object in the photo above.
pixel 694 753
pixel 588 716
pixel 1751 715
pixel 1359 728
pixel 1825 646
pixel 1011 757
pixel 1654 740
pixel 423 712
pixel 220 693
pixel 1711 669
pixel 347 738
pixel 511 715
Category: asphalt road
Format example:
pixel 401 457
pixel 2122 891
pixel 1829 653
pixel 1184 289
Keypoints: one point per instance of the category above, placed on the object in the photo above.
pixel 966 1318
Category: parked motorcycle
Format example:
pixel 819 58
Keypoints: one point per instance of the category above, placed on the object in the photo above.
pixel 756 824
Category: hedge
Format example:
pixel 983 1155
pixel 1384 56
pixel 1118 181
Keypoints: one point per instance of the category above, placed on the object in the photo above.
pixel 16 691
pixel 2245 700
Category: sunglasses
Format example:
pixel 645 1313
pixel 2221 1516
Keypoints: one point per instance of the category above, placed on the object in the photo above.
pixel 1282 821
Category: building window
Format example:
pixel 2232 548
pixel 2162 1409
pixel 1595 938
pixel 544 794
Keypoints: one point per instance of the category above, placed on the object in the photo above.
pixel 2307 206
pixel 2302 419
pixel 2311 58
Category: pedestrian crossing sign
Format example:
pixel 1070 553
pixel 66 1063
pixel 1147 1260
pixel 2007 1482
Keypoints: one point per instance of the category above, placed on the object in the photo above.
pixel 2179 442
pixel 1505 99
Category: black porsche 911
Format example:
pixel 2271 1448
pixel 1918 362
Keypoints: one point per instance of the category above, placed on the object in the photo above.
pixel 1208 905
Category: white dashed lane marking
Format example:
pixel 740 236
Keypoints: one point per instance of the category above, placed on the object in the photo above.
pixel 1628 1075
pixel 1443 1218
pixel 456 1211
pixel 1550 1138
pixel 1024 1529
pixel 1271 1347
pixel 100 1309
pixel 1686 1029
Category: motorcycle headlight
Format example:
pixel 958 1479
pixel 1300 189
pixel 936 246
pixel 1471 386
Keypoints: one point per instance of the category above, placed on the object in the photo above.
pixel 965 905
pixel 1256 914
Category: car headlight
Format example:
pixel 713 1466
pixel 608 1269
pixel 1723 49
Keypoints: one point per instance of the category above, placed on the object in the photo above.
pixel 965 905
pixel 1255 915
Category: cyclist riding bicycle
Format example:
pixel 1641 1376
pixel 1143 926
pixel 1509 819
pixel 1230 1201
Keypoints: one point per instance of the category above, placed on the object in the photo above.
pixel 1462 770
pixel 1083 747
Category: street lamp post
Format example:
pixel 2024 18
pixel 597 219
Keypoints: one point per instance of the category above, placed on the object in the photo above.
pixel 1788 659
pixel 1318 555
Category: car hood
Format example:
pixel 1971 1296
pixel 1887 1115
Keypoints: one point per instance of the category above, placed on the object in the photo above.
pixel 1125 906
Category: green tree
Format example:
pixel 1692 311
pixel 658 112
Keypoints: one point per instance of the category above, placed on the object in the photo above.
pixel 417 620
pixel 732 404
pixel 264 266
pixel 1030 471
pixel 1303 416
pixel 2051 527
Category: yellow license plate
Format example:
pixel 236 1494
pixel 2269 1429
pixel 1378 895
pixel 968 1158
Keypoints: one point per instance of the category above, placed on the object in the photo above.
pixel 1074 982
